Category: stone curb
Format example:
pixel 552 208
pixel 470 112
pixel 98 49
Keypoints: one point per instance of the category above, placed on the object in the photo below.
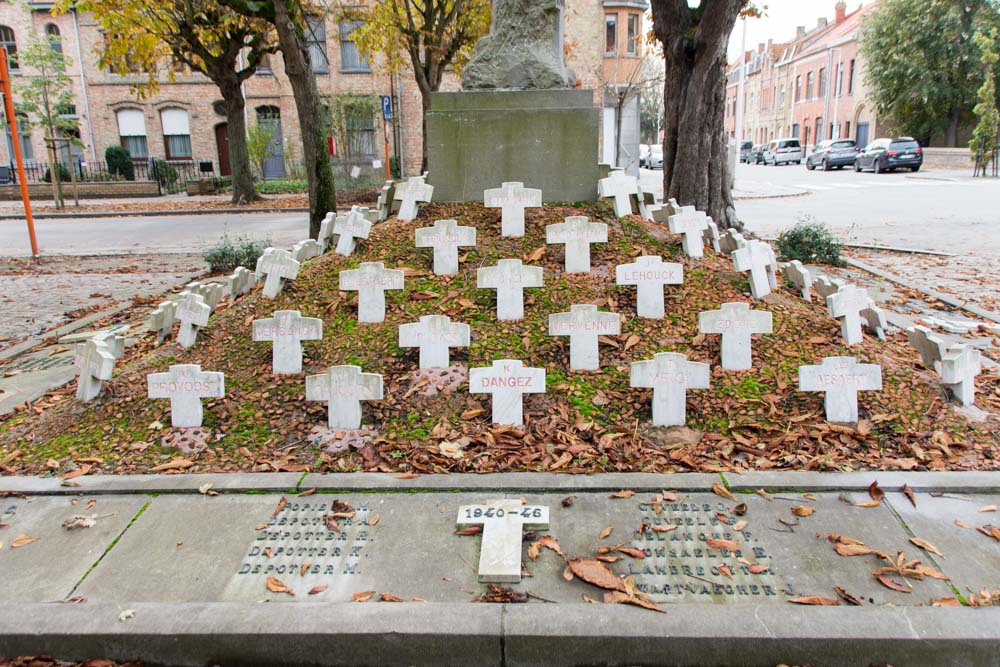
pixel 183 635
pixel 514 482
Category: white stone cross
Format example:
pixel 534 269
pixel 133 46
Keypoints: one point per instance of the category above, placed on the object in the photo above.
pixel 577 233
pixel 669 375
pixel 841 378
pixel 161 321
pixel 755 257
pixel 736 322
pixel 343 388
pixel 326 233
pixel 446 236
pixel 622 187
pixel 731 241
pixel 114 339
pixel 185 385
pixel 508 380
pixel 240 282
pixel 414 190
pixel 509 278
pixel 503 522
pixel 96 363
pixel 211 291
pixel 959 367
pixel 584 324
pixel 385 198
pixel 287 329
pixel 277 264
pixel 512 198
pixel 875 320
pixel 692 224
pixel 351 227
pixel 825 286
pixel 306 250
pixel 799 276
pixel 193 313
pixel 370 281
pixel 846 305
pixel 649 274
pixel 930 347
pixel 772 267
pixel 434 335
pixel 711 235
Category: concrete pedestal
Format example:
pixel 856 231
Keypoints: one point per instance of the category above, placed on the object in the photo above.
pixel 546 139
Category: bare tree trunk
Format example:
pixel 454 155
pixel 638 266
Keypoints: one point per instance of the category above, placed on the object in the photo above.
pixel 619 107
pixel 954 121
pixel 244 190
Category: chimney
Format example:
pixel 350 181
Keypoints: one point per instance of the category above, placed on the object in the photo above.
pixel 800 32
pixel 760 47
pixel 841 9
pixel 821 23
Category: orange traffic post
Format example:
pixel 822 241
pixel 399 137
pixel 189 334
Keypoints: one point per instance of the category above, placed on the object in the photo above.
pixel 385 134
pixel 8 104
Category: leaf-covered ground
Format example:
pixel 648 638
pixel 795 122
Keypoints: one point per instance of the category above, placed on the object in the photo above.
pixel 586 422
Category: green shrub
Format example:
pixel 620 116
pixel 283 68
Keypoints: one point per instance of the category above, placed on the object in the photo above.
pixel 230 253
pixel 64 176
pixel 810 242
pixel 119 162
pixel 164 171
pixel 282 186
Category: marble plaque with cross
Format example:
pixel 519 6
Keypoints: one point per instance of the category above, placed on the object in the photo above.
pixel 96 363
pixel 755 257
pixel 161 321
pixel 512 198
pixel 736 322
pixel 584 325
pixel 577 233
pixel 286 329
pixel 277 265
pixel 669 375
pixel 622 188
pixel 649 274
pixel 409 194
pixel 445 237
pixel 370 281
pixel 503 522
pixel 343 388
pixel 847 305
pixel 799 275
pixel 509 278
pixel 185 385
pixel 691 224
pixel 435 335
pixel 841 378
pixel 508 380
pixel 193 313
pixel 353 226
pixel 960 365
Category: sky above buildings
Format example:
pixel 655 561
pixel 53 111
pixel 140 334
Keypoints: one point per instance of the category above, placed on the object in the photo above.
pixel 781 19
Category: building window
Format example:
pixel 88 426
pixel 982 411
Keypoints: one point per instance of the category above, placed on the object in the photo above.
pixel 10 45
pixel 132 130
pixel 809 85
pixel 798 88
pixel 24 132
pixel 610 34
pixel 822 83
pixel 176 134
pixel 847 128
pixel 351 59
pixel 55 38
pixel 819 129
pixel 633 34
pixel 850 80
pixel 795 131
pixel 316 37
pixel 360 135
pixel 782 103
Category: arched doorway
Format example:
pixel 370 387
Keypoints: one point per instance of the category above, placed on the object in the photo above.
pixel 862 126
pixel 274 167
pixel 222 144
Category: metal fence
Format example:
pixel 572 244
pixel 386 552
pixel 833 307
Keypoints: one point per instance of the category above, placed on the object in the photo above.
pixel 171 176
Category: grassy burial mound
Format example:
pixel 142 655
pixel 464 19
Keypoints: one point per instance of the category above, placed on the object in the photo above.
pixel 587 421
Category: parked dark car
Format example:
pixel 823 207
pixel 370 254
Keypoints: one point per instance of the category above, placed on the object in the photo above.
pixel 833 153
pixel 757 156
pixel 890 155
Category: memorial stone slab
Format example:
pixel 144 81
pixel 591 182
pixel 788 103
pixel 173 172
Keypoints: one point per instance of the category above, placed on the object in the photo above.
pixel 503 523
pixel 161 321
pixel 185 385
pixel 799 275
pixel 278 266
pixel 386 196
pixel 445 237
pixel 691 224
pixel 193 313
pixel 434 335
pixel 584 325
pixel 826 286
pixel 96 364
pixel 649 274
pixel 711 235
pixel 343 388
pixel 509 277
pixel 286 330
pixel 731 241
pixel 512 198
pixel 669 375
pixel 847 305
pixel 370 281
pixel 577 233
pixel 414 190
pixel 930 347
pixel 351 227
pixel 755 257
pixel 507 380
pixel 622 187
pixel 841 378
pixel 736 322
pixel 959 367
pixel 306 249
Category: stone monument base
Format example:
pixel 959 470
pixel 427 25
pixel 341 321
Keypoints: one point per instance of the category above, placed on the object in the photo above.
pixel 546 139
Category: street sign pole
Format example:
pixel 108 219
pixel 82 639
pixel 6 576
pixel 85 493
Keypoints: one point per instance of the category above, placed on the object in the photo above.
pixel 386 117
pixel 8 103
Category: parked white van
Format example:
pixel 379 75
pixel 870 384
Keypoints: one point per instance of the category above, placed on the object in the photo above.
pixel 783 150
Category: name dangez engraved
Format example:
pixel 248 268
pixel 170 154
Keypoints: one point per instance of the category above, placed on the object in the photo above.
pixel 298 536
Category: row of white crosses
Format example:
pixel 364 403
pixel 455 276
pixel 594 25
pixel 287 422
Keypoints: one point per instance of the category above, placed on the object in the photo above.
pixel 957 365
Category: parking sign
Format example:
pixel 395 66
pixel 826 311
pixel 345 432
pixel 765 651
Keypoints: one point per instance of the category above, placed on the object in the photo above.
pixel 387 107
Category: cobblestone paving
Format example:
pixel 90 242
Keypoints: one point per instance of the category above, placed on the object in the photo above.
pixel 36 298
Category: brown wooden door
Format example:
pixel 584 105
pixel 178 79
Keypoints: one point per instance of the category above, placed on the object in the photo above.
pixel 222 142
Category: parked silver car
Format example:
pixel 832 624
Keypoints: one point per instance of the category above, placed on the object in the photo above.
pixel 655 159
pixel 783 151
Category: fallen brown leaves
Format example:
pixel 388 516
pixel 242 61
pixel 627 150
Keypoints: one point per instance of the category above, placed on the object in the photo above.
pixel 815 600
pixel 277 586
pixel 502 594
